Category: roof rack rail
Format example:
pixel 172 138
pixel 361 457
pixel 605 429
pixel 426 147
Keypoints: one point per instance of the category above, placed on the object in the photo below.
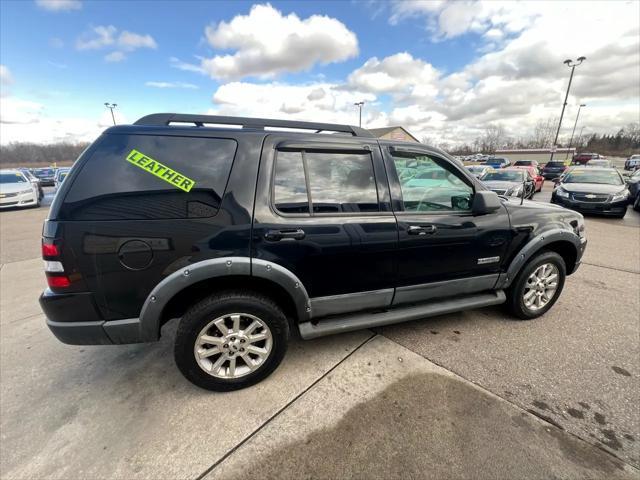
pixel 157 119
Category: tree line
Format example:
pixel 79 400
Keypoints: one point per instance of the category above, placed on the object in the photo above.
pixel 625 142
pixel 27 154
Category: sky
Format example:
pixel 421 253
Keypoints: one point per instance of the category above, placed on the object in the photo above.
pixel 443 70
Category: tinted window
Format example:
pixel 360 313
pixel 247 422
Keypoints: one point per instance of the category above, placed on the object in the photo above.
pixel 504 175
pixel 608 177
pixel 429 186
pixel 290 189
pixel 341 182
pixel 109 187
pixel 338 182
pixel 12 178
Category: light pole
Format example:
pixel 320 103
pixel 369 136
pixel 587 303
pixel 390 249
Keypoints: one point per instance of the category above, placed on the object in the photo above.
pixel 360 105
pixel 573 65
pixel 574 129
pixel 111 106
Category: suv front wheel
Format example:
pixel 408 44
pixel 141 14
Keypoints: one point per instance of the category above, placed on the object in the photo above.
pixel 231 340
pixel 537 287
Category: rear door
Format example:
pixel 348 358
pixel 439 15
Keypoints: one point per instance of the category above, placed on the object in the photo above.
pixel 323 212
pixel 443 250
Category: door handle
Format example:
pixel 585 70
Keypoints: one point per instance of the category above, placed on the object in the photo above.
pixel 287 233
pixel 421 229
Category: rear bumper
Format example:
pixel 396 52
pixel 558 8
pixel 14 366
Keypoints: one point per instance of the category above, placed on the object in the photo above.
pixel 74 319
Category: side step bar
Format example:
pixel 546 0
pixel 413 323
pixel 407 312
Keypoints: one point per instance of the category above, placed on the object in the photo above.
pixel 358 321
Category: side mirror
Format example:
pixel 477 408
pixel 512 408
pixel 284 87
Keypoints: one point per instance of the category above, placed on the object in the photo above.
pixel 485 201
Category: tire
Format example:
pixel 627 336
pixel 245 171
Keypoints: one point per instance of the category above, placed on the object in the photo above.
pixel 636 204
pixel 248 307
pixel 515 294
pixel 621 215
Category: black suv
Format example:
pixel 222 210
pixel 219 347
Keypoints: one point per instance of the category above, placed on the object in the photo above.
pixel 247 234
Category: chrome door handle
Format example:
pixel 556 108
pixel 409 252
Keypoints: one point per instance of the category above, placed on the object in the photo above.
pixel 421 229
pixel 287 233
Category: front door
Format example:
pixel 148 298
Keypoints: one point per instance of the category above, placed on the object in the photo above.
pixel 444 250
pixel 323 211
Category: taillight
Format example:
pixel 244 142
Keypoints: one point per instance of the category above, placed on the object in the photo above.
pixel 53 268
pixel 49 250
pixel 59 281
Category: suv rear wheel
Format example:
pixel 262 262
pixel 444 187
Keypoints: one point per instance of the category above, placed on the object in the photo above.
pixel 537 286
pixel 231 340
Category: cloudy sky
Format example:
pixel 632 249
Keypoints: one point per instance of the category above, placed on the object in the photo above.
pixel 444 70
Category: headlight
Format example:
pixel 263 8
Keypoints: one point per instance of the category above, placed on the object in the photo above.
pixel 623 195
pixel 561 192
pixel 514 191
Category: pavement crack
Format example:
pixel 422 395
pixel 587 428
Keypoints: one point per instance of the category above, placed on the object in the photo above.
pixel 612 268
pixel 287 405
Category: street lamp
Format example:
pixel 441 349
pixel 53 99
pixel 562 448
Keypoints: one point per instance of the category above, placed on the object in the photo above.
pixel 360 105
pixel 111 106
pixel 573 65
pixel 574 129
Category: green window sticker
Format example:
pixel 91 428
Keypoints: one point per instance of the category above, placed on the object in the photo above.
pixel 160 170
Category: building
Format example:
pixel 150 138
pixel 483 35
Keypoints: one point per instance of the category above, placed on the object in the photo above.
pixel 393 133
pixel 542 155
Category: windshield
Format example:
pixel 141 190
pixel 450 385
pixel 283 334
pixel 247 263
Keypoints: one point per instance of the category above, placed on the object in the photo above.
pixel 12 178
pixel 555 164
pixel 504 175
pixel 44 172
pixel 523 163
pixel 476 169
pixel 598 163
pixel 607 177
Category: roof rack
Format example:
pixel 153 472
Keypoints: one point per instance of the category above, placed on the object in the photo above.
pixel 156 119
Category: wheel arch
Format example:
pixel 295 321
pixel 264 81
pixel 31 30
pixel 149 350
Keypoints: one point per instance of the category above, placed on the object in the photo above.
pixel 564 242
pixel 174 294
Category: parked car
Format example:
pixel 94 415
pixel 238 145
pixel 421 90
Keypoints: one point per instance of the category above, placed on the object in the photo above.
pixel 553 169
pixel 510 182
pixel 535 174
pixel 245 234
pixel 599 163
pixel 61 174
pixel 633 184
pixel 592 190
pixel 528 163
pixel 478 170
pixel 34 180
pixel 16 190
pixel 583 158
pixel 46 176
pixel 497 162
pixel 632 163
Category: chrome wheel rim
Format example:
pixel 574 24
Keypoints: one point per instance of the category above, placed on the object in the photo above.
pixel 541 286
pixel 233 345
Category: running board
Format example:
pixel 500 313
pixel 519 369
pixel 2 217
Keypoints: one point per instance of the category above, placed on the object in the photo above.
pixel 357 321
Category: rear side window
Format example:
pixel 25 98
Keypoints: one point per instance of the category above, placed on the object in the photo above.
pixel 324 182
pixel 187 179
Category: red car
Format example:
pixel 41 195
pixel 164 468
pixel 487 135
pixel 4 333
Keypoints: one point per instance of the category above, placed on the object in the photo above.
pixel 583 158
pixel 537 178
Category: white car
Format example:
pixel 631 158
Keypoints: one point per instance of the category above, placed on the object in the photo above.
pixel 17 191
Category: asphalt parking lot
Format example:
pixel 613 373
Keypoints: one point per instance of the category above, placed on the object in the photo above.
pixel 468 395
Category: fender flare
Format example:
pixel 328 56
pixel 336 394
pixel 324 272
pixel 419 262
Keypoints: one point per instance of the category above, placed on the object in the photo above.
pixel 534 246
pixel 163 292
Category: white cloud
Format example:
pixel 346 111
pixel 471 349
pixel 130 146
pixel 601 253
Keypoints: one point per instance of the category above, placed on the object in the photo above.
pixel 189 86
pixel 99 37
pixel 5 75
pixel 56 42
pixel 185 66
pixel 131 41
pixel 267 43
pixel 106 36
pixel 59 5
pixel 321 102
pixel 114 57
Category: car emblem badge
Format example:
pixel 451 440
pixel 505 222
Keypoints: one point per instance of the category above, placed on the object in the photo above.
pixel 590 195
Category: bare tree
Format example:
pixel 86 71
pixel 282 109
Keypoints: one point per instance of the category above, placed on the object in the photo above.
pixel 494 137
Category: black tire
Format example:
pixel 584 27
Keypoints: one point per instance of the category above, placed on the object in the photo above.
pixel 225 303
pixel 515 302
pixel 636 204
pixel 621 215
